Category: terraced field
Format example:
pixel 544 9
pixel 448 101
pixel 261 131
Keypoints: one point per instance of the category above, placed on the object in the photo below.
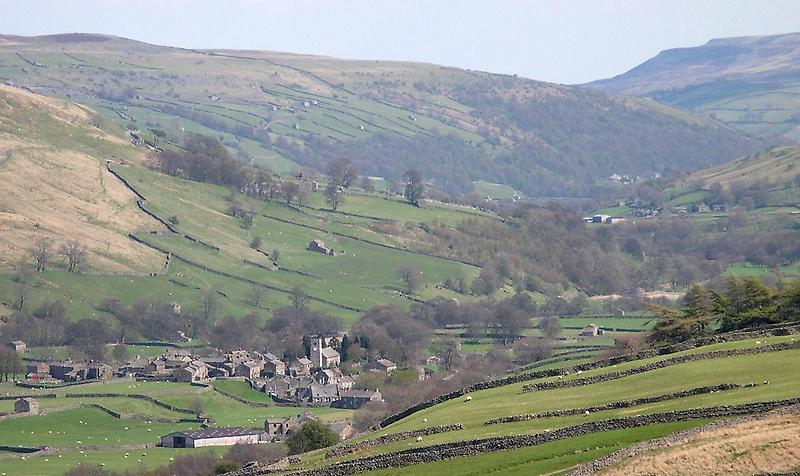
pixel 757 368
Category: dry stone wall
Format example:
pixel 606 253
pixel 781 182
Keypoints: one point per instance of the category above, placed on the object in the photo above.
pixel 444 451
pixel 361 445
pixel 778 329
pixel 613 405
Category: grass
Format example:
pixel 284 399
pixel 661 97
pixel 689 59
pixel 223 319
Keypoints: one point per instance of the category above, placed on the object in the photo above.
pixel 558 456
pixel 241 389
pixel 114 460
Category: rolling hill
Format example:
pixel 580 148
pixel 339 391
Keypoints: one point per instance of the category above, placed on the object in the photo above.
pixel 751 83
pixel 289 111
pixel 68 173
pixel 54 184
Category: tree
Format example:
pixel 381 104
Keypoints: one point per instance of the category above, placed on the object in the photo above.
pixel 333 196
pixel 120 353
pixel 366 184
pixel 344 348
pixel 210 305
pixel 298 298
pixel 256 294
pixel 10 363
pixel 291 192
pixel 342 171
pixel 415 187
pixel 449 353
pixel 23 285
pixel 41 252
pixel 173 220
pixel 255 242
pixel 313 435
pixel 411 278
pixel 533 349
pixel 550 327
pixel 75 254
pixel 275 255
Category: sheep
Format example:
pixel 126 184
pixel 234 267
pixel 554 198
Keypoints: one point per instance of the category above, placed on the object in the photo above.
pixel 419 438
pixel 468 399
pixel 586 413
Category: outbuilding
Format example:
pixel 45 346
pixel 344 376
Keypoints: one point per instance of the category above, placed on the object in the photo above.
pixel 211 437
pixel 26 405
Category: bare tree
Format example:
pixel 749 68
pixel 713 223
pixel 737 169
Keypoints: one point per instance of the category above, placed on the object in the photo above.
pixel 256 294
pixel 23 284
pixel 410 277
pixel 75 254
pixel 210 305
pixel 333 195
pixel 41 252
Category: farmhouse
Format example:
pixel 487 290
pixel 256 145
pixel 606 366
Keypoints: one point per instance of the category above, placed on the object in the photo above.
pixel 37 370
pixel 318 393
pixel 26 405
pixel 195 371
pixel 250 369
pixel 211 437
pixel 68 371
pixel 18 346
pixel 301 366
pixel 354 399
pixel 274 367
pixel 343 429
pixel 99 371
pixel 385 365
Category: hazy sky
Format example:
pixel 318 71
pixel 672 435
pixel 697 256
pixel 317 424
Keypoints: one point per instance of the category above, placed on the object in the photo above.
pixel 560 40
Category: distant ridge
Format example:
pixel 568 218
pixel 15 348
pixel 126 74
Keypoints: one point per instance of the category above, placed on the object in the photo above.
pixel 750 82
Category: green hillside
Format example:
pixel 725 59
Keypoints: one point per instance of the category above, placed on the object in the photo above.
pixel 739 362
pixel 750 83
pixel 287 111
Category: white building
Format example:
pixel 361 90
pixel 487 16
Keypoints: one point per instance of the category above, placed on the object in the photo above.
pixel 211 437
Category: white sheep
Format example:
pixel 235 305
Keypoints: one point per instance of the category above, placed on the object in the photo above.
pixel 586 413
pixel 424 420
pixel 419 438
pixel 468 399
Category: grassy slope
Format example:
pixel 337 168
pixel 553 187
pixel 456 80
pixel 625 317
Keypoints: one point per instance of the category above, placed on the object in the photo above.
pixel 299 98
pixel 509 401
pixel 341 285
pixel 53 183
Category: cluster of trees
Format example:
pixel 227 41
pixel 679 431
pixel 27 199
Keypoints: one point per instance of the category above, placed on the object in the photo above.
pixel 737 304
pixel 549 248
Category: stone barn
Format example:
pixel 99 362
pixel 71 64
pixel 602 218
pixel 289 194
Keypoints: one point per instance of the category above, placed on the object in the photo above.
pixel 211 437
pixel 18 346
pixel 319 247
pixel 26 405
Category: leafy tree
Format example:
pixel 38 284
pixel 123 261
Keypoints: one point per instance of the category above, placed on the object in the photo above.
pixel 344 348
pixel 313 435
pixel 415 187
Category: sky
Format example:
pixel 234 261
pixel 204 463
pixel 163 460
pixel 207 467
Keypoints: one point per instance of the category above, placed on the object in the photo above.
pixel 563 41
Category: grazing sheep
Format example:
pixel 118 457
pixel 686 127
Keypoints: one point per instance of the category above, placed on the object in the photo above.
pixel 419 438
pixel 586 413
pixel 468 399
